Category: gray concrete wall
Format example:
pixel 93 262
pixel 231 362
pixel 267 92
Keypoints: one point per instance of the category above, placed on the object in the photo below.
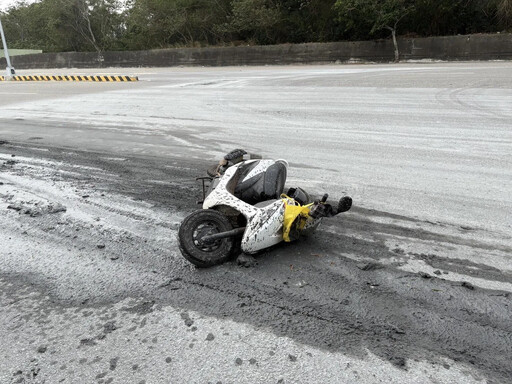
pixel 468 47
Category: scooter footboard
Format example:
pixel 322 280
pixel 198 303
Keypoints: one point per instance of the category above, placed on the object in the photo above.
pixel 265 228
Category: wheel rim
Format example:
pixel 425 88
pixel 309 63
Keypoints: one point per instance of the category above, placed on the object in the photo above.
pixel 205 229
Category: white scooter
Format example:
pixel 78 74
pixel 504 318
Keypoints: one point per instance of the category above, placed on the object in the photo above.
pixel 244 210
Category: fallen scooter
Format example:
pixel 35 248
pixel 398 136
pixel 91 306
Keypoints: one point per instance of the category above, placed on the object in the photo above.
pixel 245 210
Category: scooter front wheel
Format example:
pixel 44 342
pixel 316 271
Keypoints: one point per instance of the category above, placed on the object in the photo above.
pixel 198 225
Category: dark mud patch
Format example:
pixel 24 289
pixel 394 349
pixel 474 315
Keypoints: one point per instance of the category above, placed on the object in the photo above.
pixel 376 213
pixel 306 166
pixel 113 363
pixel 166 183
pixel 142 308
pixel 187 319
pixel 369 266
pixel 349 308
pixel 88 342
pixel 35 210
pixel 364 224
pixel 465 267
pixel 109 327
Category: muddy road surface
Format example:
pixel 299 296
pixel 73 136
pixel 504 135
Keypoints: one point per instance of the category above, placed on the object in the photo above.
pixel 89 242
pixel 409 286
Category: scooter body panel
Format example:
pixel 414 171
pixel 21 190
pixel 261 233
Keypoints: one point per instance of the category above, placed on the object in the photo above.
pixel 264 225
pixel 265 228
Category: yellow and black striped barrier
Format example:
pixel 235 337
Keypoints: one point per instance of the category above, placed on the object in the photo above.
pixel 105 78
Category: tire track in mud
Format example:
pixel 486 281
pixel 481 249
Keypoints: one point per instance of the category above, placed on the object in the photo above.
pixel 341 290
pixel 470 102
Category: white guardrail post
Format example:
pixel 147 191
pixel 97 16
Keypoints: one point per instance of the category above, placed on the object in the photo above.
pixel 10 72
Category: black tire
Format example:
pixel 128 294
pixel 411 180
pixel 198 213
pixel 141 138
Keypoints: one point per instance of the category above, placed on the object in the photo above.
pixel 344 204
pixel 199 224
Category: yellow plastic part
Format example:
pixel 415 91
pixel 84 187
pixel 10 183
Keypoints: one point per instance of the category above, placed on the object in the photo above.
pixel 292 210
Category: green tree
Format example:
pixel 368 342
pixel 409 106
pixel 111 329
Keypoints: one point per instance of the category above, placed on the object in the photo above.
pixel 252 20
pixel 94 24
pixel 26 26
pixel 163 23
pixel 435 17
pixel 307 20
pixel 504 11
pixel 101 25
pixel 451 17
pixel 375 15
pixel 65 25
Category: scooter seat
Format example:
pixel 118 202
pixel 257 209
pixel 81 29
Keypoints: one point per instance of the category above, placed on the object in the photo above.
pixel 268 185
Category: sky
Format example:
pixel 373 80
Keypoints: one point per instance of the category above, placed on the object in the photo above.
pixel 4 4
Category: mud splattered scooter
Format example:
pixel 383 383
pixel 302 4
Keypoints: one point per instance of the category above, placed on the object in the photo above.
pixel 244 209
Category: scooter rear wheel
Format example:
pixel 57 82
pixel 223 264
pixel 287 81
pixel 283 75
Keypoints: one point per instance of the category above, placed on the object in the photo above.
pixel 198 225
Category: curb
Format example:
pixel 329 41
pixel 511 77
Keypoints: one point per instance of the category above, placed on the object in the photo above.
pixel 71 78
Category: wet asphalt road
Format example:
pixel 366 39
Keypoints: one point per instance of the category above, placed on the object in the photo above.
pixel 99 292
